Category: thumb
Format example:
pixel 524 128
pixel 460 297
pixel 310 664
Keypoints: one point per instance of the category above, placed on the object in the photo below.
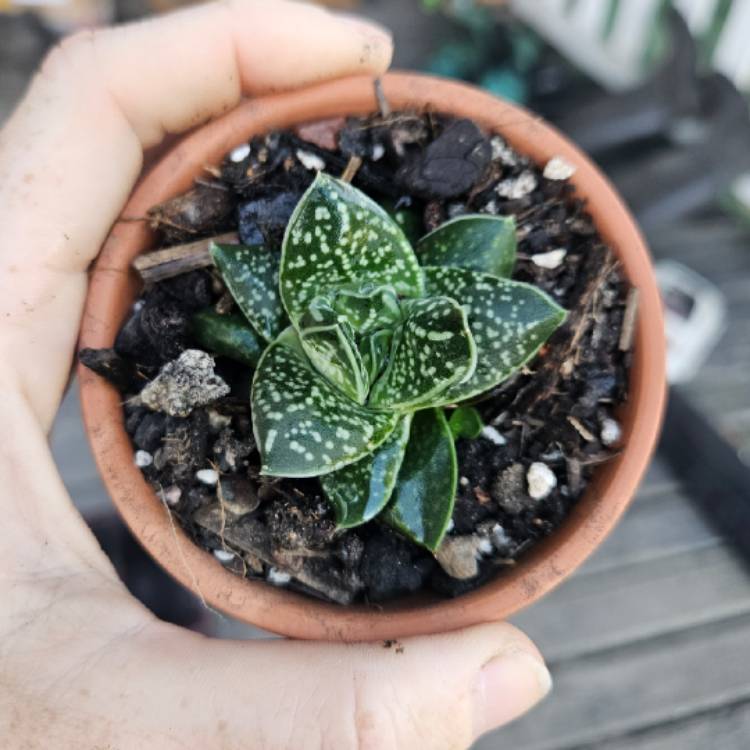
pixel 432 691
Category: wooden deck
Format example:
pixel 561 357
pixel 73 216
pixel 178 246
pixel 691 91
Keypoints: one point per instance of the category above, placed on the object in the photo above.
pixel 649 644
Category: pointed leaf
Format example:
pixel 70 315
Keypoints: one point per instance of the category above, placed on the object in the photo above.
pixel 509 320
pixel 477 242
pixel 303 425
pixel 368 308
pixel 425 492
pixel 375 349
pixel 329 343
pixel 251 273
pixel 431 351
pixel 465 422
pixel 227 335
pixel 338 236
pixel 359 492
pixel 407 218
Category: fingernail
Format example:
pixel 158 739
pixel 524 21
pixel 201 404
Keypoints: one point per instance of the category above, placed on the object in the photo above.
pixel 508 686
pixel 369 29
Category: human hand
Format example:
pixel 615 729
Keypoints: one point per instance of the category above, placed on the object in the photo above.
pixel 83 664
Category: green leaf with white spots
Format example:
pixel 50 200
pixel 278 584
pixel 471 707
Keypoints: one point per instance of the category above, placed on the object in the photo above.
pixel 408 219
pixel 432 350
pixel 478 242
pixel 251 274
pixel 359 492
pixel 368 308
pixel 304 426
pixel 339 237
pixel 465 422
pixel 328 341
pixel 375 349
pixel 509 320
pixel 425 491
pixel 227 335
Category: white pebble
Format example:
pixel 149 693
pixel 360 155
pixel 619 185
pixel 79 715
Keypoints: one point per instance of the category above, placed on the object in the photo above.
pixel 490 208
pixel 223 556
pixel 500 537
pixel 502 152
pixel 517 187
pixel 541 480
pixel 172 495
pixel 310 161
pixel 207 476
pixel 143 459
pixel 490 433
pixel 558 169
pixel 611 432
pixel 484 546
pixel 450 526
pixel 240 153
pixel 549 260
pixel 278 577
pixel 464 481
pixel 378 152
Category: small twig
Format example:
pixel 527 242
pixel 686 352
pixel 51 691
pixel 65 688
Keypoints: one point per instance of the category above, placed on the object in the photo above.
pixel 180 551
pixel 627 332
pixel 173 261
pixel 581 430
pixel 355 162
pixel 383 105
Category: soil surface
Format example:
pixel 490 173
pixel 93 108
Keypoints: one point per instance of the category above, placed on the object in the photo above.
pixel 551 424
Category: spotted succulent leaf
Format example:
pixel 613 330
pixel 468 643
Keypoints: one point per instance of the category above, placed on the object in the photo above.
pixel 359 492
pixel 432 350
pixel 328 340
pixel 422 503
pixel 338 237
pixel 368 308
pixel 304 426
pixel 478 242
pixel 509 321
pixel 251 273
pixel 227 335
pixel 375 349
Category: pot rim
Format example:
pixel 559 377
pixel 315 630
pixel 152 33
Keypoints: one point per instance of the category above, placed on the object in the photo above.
pixel 113 286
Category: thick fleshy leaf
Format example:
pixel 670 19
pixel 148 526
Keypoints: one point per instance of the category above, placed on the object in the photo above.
pixel 251 273
pixel 478 242
pixel 368 308
pixel 329 343
pixel 359 492
pixel 465 422
pixel 509 320
pixel 375 349
pixel 431 351
pixel 227 335
pixel 304 426
pixel 407 218
pixel 337 236
pixel 425 491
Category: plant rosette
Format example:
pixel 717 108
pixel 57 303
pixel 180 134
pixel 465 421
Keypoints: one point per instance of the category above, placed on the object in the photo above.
pixel 176 511
pixel 367 341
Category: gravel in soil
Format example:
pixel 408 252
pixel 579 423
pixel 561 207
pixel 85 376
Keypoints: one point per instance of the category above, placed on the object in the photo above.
pixel 548 427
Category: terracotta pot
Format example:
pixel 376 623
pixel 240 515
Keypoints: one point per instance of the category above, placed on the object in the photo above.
pixel 114 286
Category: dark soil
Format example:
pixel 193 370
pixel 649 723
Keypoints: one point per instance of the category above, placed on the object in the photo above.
pixel 553 412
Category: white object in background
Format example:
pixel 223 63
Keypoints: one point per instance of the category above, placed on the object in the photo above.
pixel 605 38
pixel 695 316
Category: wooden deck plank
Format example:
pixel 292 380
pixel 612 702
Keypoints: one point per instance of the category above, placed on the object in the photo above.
pixel 636 602
pixel 619 692
pixel 725 728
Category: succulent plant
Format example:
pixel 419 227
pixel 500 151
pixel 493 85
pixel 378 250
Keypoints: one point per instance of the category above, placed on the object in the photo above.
pixel 365 341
